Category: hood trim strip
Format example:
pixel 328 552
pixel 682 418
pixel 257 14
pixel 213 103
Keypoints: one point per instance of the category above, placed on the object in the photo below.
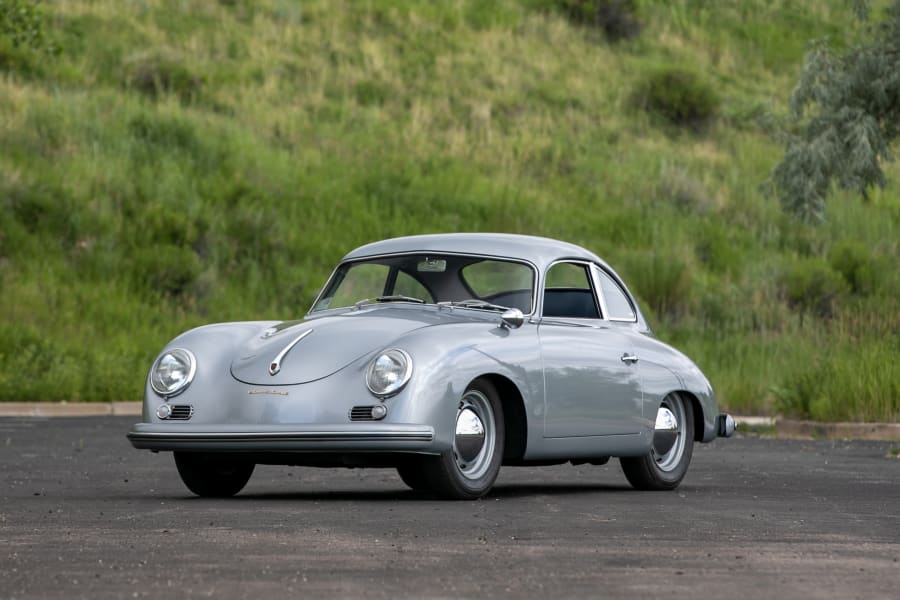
pixel 275 365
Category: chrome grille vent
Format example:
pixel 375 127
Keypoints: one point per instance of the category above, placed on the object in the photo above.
pixel 361 413
pixel 182 411
pixel 368 413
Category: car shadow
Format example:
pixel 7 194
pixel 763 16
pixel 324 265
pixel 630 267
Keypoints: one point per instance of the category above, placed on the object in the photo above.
pixel 499 491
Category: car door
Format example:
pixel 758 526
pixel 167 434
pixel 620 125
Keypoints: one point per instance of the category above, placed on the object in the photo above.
pixel 591 384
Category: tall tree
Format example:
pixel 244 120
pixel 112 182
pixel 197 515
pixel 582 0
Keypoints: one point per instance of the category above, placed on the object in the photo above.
pixel 846 108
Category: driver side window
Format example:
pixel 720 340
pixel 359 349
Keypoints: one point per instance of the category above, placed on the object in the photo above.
pixel 568 292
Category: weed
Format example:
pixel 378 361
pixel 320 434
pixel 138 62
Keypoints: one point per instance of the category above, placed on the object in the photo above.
pixel 223 166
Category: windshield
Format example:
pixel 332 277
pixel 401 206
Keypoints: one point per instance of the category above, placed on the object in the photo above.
pixel 431 278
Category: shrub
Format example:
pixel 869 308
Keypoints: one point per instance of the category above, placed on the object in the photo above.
pixel 165 133
pixel 371 93
pixel 663 280
pixel 684 191
pixel 41 209
pixel 849 384
pixel 167 269
pixel 162 71
pixel 22 23
pixel 719 249
pixel 679 96
pixel 810 285
pixel 22 34
pixel 616 18
pixel 853 261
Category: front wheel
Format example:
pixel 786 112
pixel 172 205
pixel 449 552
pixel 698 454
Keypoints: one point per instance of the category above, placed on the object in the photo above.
pixel 213 475
pixel 469 468
pixel 673 445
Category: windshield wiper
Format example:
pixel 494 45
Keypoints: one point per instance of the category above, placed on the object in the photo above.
pixel 475 303
pixel 394 298
pixel 399 298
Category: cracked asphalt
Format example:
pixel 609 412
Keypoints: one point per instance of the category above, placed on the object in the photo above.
pixel 84 515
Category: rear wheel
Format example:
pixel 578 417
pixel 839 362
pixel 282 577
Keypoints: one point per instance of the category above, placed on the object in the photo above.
pixel 213 475
pixel 667 463
pixel 468 469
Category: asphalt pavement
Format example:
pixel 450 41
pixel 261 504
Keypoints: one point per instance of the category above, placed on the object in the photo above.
pixel 84 515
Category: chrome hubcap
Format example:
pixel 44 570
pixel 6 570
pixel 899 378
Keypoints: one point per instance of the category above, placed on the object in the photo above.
pixel 473 440
pixel 666 433
pixel 668 436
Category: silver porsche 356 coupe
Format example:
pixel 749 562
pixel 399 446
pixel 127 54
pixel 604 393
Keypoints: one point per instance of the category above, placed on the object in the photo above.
pixel 445 357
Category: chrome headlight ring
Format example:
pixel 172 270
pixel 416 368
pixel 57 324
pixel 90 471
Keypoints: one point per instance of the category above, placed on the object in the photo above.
pixel 173 372
pixel 389 372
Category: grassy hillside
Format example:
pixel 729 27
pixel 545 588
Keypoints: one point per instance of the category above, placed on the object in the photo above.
pixel 182 162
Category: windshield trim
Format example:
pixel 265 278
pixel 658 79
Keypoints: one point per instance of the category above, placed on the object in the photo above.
pixel 535 273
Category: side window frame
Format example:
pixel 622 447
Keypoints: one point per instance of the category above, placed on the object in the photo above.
pixel 596 273
pixel 534 280
pixel 592 282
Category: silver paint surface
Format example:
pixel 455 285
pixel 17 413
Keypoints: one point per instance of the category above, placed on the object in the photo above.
pixel 579 398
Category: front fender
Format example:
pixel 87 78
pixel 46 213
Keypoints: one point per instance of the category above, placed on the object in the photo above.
pixel 214 347
pixel 445 366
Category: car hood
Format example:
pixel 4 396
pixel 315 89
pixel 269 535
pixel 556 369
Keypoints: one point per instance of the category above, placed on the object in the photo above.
pixel 315 348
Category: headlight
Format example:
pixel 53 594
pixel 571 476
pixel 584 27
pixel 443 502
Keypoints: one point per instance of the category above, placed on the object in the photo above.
pixel 389 372
pixel 172 372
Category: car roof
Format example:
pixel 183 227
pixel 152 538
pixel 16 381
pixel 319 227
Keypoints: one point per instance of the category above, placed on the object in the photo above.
pixel 538 250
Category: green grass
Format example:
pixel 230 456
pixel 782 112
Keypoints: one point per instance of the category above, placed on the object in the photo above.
pixel 195 161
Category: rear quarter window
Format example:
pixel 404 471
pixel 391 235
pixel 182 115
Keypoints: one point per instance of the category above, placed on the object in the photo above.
pixel 617 304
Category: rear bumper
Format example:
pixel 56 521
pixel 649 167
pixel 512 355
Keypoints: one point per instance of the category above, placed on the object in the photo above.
pixel 282 438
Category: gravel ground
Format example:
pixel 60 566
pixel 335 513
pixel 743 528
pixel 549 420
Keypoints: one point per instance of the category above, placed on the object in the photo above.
pixel 82 514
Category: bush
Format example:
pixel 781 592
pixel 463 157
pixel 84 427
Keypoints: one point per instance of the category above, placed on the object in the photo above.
pixel 719 249
pixel 617 18
pixel 663 281
pixel 853 261
pixel 162 133
pixel 22 34
pixel 849 384
pixel 810 285
pixel 167 269
pixel 679 96
pixel 684 191
pixel 162 71
pixel 41 209
pixel 22 23
pixel 371 93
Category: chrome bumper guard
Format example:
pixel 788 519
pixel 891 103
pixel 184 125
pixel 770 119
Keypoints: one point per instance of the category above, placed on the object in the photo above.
pixel 725 425
pixel 304 438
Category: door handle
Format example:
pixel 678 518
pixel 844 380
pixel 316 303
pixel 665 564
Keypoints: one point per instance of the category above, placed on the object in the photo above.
pixel 629 359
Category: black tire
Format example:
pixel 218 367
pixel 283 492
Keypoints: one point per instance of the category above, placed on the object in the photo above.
pixel 468 470
pixel 413 475
pixel 213 475
pixel 656 471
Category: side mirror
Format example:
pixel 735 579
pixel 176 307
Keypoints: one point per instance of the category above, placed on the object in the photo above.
pixel 512 319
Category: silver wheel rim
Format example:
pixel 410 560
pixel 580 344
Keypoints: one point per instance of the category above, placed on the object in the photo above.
pixel 670 460
pixel 474 451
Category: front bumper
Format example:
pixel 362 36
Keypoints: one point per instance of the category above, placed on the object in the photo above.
pixel 282 438
pixel 725 425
